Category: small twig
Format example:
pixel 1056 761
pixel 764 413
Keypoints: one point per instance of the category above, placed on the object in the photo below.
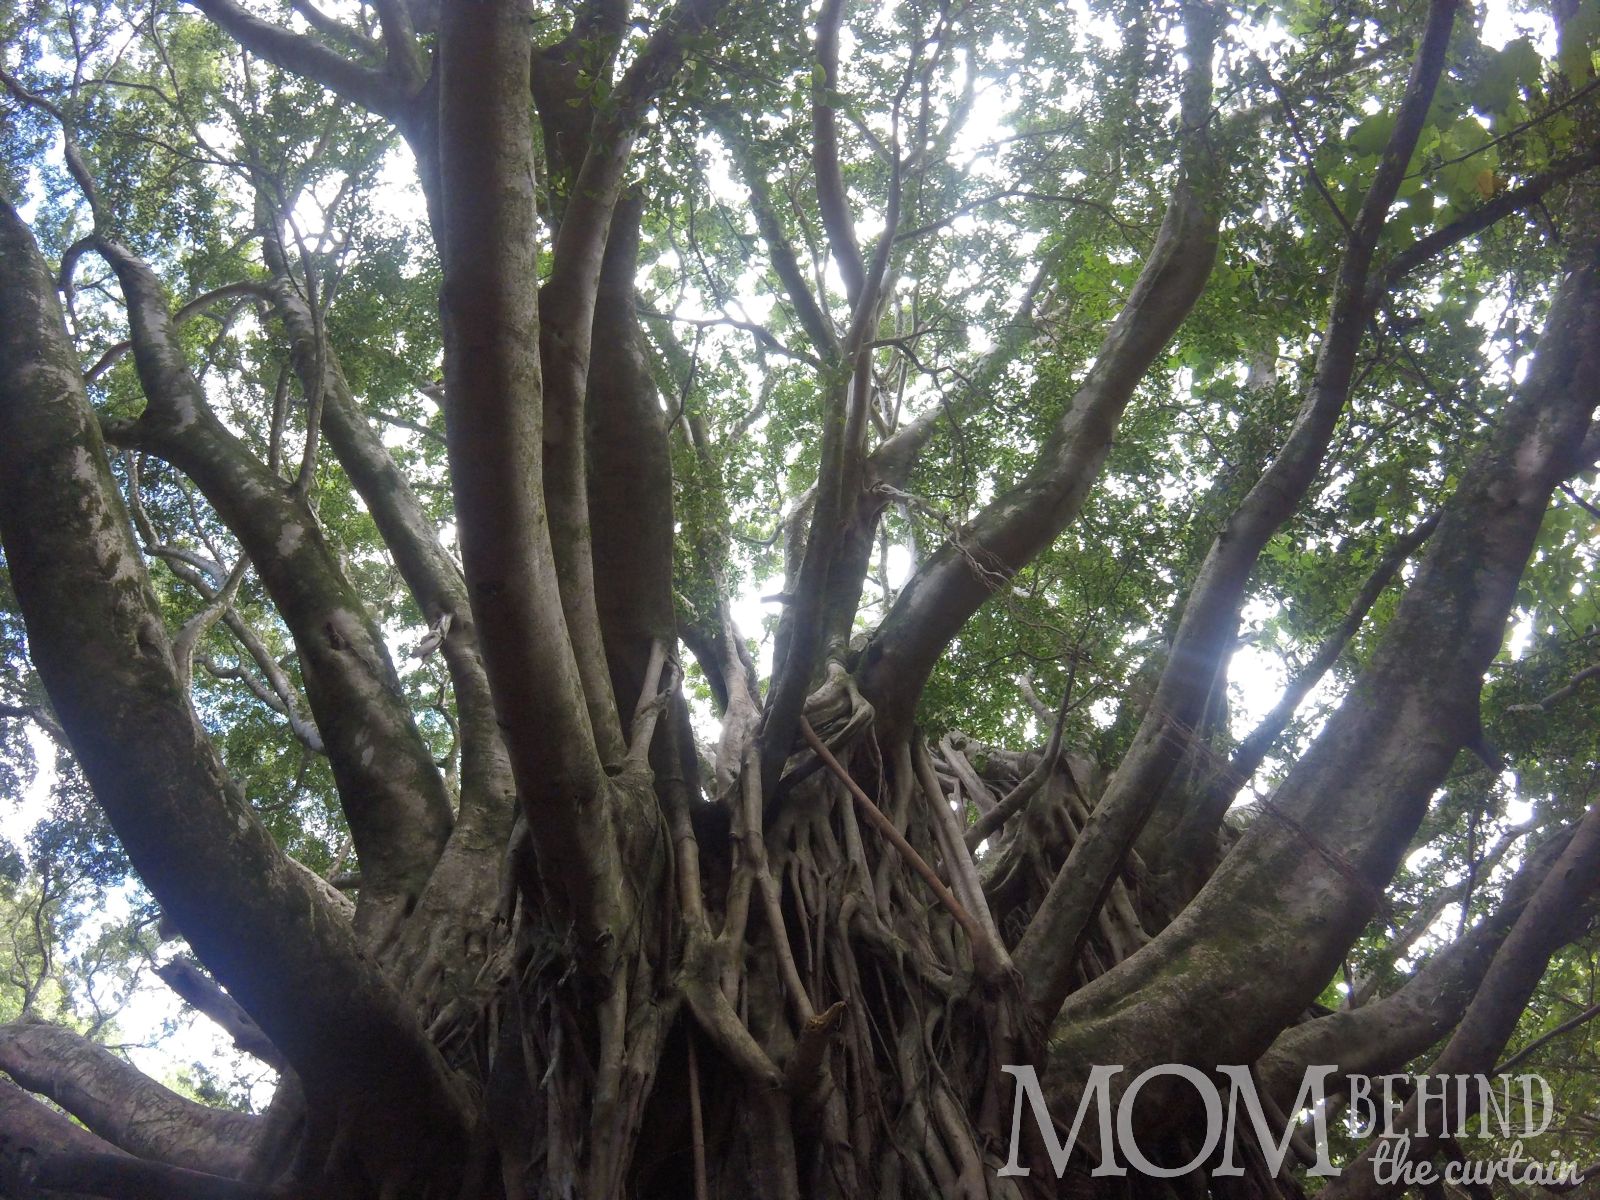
pixel 1035 779
pixel 1306 154
pixel 71 152
pixel 1586 505
pixel 1560 693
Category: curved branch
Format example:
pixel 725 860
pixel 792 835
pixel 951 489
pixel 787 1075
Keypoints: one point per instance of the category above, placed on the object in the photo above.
pixel 1521 1056
pixel 122 1104
pixel 97 640
pixel 307 57
pixel 391 790
pixel 956 581
pixel 1566 690
pixel 229 291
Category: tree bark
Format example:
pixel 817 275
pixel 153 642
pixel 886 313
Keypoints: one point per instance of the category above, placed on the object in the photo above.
pixel 121 1104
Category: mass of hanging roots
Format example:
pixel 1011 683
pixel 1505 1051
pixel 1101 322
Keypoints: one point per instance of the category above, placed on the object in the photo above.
pixel 816 999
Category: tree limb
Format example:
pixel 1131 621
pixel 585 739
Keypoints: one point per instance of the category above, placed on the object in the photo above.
pixel 300 55
pixel 1210 621
pixel 96 638
pixel 185 977
pixel 947 589
pixel 394 798
pixel 1309 872
pixel 123 1105
pixel 1499 1001
pixel 1512 200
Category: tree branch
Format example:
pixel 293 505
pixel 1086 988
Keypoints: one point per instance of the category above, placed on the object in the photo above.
pixel 300 55
pixel 1308 874
pixel 1206 810
pixel 812 318
pixel 831 196
pixel 123 1105
pixel 946 590
pixel 393 797
pixel 1492 1016
pixel 1512 200
pixel 184 976
pixel 96 638
pixel 1209 626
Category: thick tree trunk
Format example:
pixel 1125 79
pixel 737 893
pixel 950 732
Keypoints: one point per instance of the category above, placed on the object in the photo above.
pixel 598 984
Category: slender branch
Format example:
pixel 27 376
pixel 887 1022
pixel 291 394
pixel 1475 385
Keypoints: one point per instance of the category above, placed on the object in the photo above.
pixel 334 29
pixel 1571 688
pixel 1427 915
pixel 1527 1052
pixel 653 699
pixel 697 1124
pixel 76 166
pixel 1512 200
pixel 1307 157
pixel 831 196
pixel 243 289
pixel 404 59
pixel 760 333
pixel 1025 790
pixel 811 315
pixel 196 627
pixel 1225 779
pixel 39 715
pixel 300 55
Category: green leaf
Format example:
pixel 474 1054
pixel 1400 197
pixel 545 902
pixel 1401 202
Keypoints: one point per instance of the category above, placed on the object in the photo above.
pixel 1371 135
pixel 1578 40
pixel 1503 77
